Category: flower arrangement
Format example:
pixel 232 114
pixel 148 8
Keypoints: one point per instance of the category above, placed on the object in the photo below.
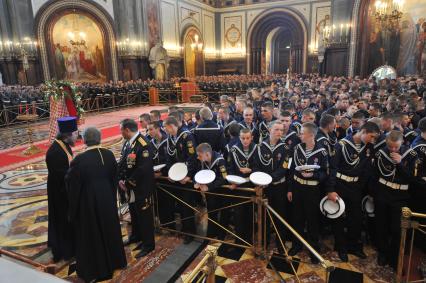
pixel 68 91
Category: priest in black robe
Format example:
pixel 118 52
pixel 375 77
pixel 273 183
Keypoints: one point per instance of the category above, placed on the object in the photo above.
pixel 92 182
pixel 58 157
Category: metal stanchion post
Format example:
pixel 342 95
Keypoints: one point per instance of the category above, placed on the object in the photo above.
pixel 258 248
pixel 405 224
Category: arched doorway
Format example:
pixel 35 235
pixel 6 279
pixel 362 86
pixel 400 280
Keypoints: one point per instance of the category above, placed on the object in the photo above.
pixel 77 42
pixel 193 53
pixel 274 36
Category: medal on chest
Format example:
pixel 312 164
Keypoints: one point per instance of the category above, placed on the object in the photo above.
pixel 131 160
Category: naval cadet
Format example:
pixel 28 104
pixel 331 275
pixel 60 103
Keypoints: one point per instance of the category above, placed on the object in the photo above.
pixel 394 167
pixel 267 112
pixel 352 158
pixel 224 121
pixel 242 162
pixel 249 123
pixel 211 160
pixel 209 131
pixel 290 137
pixel 304 189
pixel 181 148
pixel 273 158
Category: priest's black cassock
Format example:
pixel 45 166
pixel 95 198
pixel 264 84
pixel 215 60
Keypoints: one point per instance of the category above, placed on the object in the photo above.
pixel 59 229
pixel 92 182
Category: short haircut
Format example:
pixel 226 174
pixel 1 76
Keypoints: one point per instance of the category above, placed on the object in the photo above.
pixel 288 107
pixel 397 117
pixel 375 120
pixel 177 115
pixel 333 111
pixel 145 117
pixel 326 120
pixel 204 148
pixel 285 114
pixel 387 115
pixel 268 105
pixel 359 115
pixel 273 123
pixel 156 113
pixel 206 114
pixel 422 125
pixel 129 124
pixel 225 109
pixel 370 127
pixel 311 127
pixel 376 106
pixel 395 136
pixel 155 124
pixel 234 129
pixel 249 108
pixel 91 136
pixel 245 131
pixel 308 112
pixel 171 121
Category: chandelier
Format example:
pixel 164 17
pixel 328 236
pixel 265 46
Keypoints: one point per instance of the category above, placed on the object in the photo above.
pixel 76 36
pixel 388 12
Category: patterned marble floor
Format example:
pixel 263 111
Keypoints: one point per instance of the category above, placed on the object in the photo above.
pixel 23 229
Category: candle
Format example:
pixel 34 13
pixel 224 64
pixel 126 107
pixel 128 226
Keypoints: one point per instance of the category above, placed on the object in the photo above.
pixel 34 108
pixel 20 108
pixel 334 29
pixel 26 109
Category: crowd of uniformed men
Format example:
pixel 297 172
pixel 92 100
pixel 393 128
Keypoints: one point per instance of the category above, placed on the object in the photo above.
pixel 368 137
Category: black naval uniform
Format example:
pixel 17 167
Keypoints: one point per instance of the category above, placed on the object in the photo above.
pixel 225 126
pixel 218 165
pixel 239 158
pixel 253 128
pixel 306 191
pixel 182 149
pixel 390 189
pixel 60 231
pixel 291 139
pixel 418 189
pixel 264 130
pixel 136 169
pixel 274 160
pixel 164 202
pixel 352 163
pixel 211 133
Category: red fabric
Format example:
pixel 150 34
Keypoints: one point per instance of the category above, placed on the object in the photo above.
pixel 14 158
pixel 58 109
pixel 72 111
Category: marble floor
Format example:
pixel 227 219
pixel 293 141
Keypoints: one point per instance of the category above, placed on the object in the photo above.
pixel 23 230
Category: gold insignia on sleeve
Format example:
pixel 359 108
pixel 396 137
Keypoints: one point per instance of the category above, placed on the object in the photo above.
pixel 285 164
pixel 142 141
pixel 190 147
pixel 145 153
pixel 185 135
pixel 223 171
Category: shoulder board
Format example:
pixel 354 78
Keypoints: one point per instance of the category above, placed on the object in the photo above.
pixel 142 141
pixel 342 142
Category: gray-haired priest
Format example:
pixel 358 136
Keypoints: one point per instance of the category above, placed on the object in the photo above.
pixel 92 193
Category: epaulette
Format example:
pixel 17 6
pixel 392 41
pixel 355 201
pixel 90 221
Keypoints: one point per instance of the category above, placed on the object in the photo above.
pixel 342 142
pixel 142 141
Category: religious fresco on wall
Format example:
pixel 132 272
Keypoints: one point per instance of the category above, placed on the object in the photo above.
pixel 153 22
pixel 401 45
pixel 78 49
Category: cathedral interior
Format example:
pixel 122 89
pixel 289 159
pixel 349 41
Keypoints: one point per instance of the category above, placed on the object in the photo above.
pixel 104 61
